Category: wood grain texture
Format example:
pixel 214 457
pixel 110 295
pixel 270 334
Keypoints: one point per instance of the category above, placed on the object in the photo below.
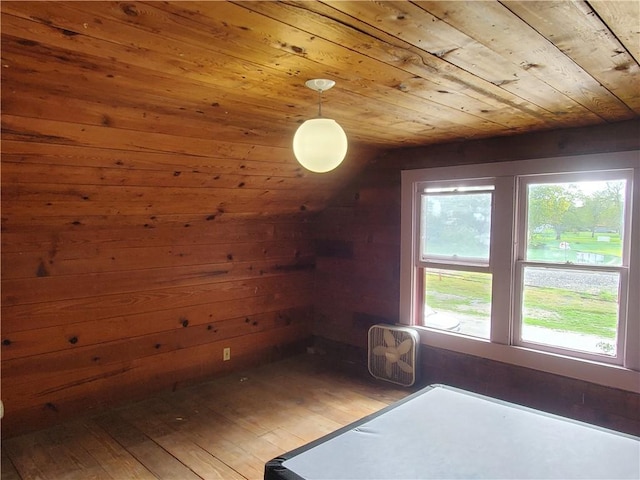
pixel 593 49
pixel 358 266
pixel 226 428
pixel 622 17
pixel 151 202
pixel 418 72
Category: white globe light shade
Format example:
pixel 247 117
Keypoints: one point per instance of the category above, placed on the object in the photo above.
pixel 320 144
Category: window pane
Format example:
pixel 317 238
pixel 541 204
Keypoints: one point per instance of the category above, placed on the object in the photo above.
pixel 571 309
pixel 580 222
pixel 456 226
pixel 457 302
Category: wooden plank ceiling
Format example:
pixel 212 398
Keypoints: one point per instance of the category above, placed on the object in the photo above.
pixel 407 73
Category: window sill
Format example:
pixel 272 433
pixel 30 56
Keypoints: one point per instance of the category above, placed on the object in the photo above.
pixel 605 374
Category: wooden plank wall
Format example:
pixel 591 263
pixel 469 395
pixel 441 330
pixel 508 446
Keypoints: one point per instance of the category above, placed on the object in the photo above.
pixel 135 249
pixel 125 272
pixel 358 271
pixel 358 254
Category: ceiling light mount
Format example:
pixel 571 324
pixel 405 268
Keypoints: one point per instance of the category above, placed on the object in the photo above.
pixel 320 144
pixel 319 84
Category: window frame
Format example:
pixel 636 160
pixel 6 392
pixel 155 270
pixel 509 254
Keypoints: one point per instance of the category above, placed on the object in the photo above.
pixel 464 264
pixel 462 261
pixel 522 262
pixel 503 264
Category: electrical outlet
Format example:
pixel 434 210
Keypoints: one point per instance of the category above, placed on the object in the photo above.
pixel 226 354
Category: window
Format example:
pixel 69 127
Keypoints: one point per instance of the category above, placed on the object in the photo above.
pixel 528 263
pixel 453 260
pixel 574 264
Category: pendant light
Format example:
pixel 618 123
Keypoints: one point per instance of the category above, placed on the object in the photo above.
pixel 320 144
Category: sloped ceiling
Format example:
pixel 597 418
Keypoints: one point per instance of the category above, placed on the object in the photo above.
pixel 407 73
pixel 225 80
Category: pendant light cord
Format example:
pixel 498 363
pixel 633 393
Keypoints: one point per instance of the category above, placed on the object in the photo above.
pixel 319 103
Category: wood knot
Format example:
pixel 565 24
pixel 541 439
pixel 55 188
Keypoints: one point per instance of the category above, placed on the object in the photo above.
pixel 42 270
pixel 130 10
pixel 528 66
pixel 27 43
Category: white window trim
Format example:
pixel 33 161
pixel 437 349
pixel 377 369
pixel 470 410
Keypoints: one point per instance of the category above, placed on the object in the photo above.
pixel 626 377
pixel 521 263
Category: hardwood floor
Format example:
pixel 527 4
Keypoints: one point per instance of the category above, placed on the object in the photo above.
pixel 226 428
